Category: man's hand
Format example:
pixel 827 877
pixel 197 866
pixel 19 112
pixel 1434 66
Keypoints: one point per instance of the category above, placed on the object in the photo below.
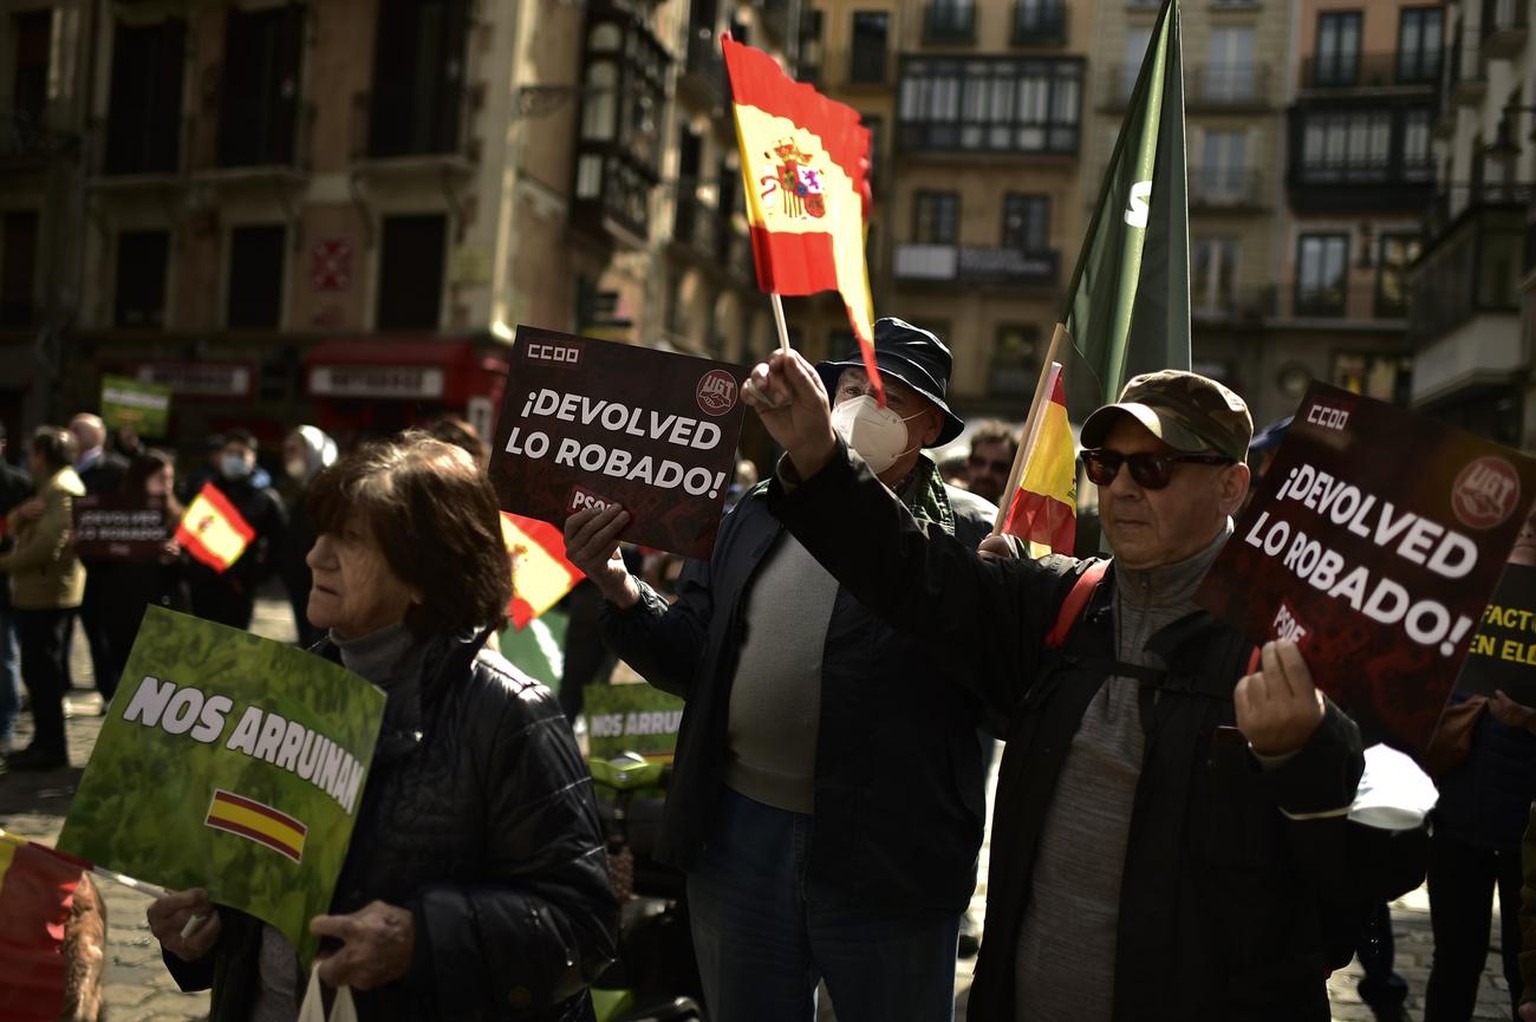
pixel 999 547
pixel 1510 713
pixel 788 396
pixel 592 544
pixel 378 941
pixel 186 924
pixel 1278 708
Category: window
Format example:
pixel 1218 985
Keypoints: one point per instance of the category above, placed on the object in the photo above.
pixel 1213 288
pixel 950 21
pixel 255 300
pixel 866 62
pixel 1420 42
pixel 260 86
pixel 876 128
pixel 1380 376
pixel 1229 75
pixel 1137 39
pixel 18 267
pixel 1027 222
pixel 143 257
pixel 418 77
pixel 936 218
pixel 1322 270
pixel 1397 252
pixel 990 105
pixel 29 83
pixel 1347 145
pixel 1418 160
pixel 1015 360
pixel 1224 168
pixel 144 124
pixel 411 265
pixel 1338 48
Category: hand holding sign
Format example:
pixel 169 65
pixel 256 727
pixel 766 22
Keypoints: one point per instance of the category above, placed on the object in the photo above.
pixel 1279 707
pixel 170 920
pixel 592 544
pixel 788 396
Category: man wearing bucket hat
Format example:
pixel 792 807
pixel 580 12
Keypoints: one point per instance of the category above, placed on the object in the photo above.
pixel 828 797
pixel 1169 837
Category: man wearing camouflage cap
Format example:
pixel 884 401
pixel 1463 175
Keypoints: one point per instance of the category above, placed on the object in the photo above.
pixel 1170 810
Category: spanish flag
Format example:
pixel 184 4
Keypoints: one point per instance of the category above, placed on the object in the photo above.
pixel 805 165
pixel 1043 511
pixel 258 822
pixel 37 886
pixel 213 531
pixel 541 575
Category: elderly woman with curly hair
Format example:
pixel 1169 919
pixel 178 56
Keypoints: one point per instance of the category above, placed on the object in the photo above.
pixel 476 884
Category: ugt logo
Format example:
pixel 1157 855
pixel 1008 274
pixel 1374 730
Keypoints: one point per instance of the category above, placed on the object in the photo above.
pixel 797 182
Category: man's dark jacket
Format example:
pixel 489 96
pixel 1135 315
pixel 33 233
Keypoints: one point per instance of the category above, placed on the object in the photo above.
pixel 484 826
pixel 900 799
pixel 1221 902
pixel 15 487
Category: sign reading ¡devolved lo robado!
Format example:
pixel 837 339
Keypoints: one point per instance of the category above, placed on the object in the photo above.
pixel 588 423
pixel 1374 541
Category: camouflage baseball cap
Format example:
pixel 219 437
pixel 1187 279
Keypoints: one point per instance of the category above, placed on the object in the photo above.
pixel 1189 412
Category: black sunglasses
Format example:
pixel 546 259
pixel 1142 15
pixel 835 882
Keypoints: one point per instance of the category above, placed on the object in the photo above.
pixel 1150 471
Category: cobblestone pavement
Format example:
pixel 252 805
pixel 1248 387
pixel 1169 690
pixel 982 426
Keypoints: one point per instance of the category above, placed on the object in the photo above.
pixel 140 990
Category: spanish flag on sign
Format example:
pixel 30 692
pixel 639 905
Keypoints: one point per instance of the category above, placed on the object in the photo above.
pixel 258 822
pixel 213 531
pixel 805 165
pixel 36 888
pixel 541 576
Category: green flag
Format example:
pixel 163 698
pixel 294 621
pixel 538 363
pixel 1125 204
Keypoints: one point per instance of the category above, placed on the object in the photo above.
pixel 1127 309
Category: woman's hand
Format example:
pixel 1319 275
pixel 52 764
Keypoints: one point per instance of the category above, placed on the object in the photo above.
pixel 186 924
pixel 377 942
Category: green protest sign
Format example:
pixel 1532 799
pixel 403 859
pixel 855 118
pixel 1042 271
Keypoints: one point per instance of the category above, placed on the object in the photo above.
pixel 230 762
pixel 143 407
pixel 631 718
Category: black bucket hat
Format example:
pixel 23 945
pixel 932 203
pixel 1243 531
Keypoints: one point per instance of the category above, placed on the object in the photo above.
pixel 912 355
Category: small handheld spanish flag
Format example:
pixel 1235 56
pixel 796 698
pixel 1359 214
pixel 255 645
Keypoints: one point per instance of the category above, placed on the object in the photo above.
pixel 805 165
pixel 1043 511
pixel 213 531
pixel 258 822
pixel 541 575
pixel 37 886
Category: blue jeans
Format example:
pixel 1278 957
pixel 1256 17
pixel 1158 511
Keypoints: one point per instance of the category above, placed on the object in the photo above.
pixel 10 673
pixel 763 944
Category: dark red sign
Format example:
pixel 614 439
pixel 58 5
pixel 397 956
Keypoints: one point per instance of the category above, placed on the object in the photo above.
pixel 114 526
pixel 1374 541
pixel 587 423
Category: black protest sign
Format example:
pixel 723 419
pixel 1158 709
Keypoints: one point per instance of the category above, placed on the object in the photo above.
pixel 1374 541
pixel 118 526
pixel 1503 653
pixel 587 423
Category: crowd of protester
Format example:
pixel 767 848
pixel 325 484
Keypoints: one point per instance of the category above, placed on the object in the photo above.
pixel 849 657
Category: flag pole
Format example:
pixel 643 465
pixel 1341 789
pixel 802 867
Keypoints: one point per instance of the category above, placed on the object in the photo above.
pixel 778 319
pixel 1053 356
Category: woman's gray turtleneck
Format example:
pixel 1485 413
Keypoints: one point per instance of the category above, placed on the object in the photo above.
pixel 1066 949
pixel 392 659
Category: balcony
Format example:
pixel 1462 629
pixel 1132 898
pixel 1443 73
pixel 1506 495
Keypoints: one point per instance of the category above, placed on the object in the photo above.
pixel 949 24
pixel 1372 71
pixel 696 225
pixel 1506 25
pixel 1360 301
pixel 27 143
pixel 1329 173
pixel 1226 189
pixel 1037 23
pixel 1218 87
pixel 976 265
pixel 703 78
pixel 408 131
pixel 1466 79
pixel 1471 264
pixel 138 149
pixel 281 152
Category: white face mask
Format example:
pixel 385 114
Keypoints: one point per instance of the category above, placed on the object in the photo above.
pixel 878 434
